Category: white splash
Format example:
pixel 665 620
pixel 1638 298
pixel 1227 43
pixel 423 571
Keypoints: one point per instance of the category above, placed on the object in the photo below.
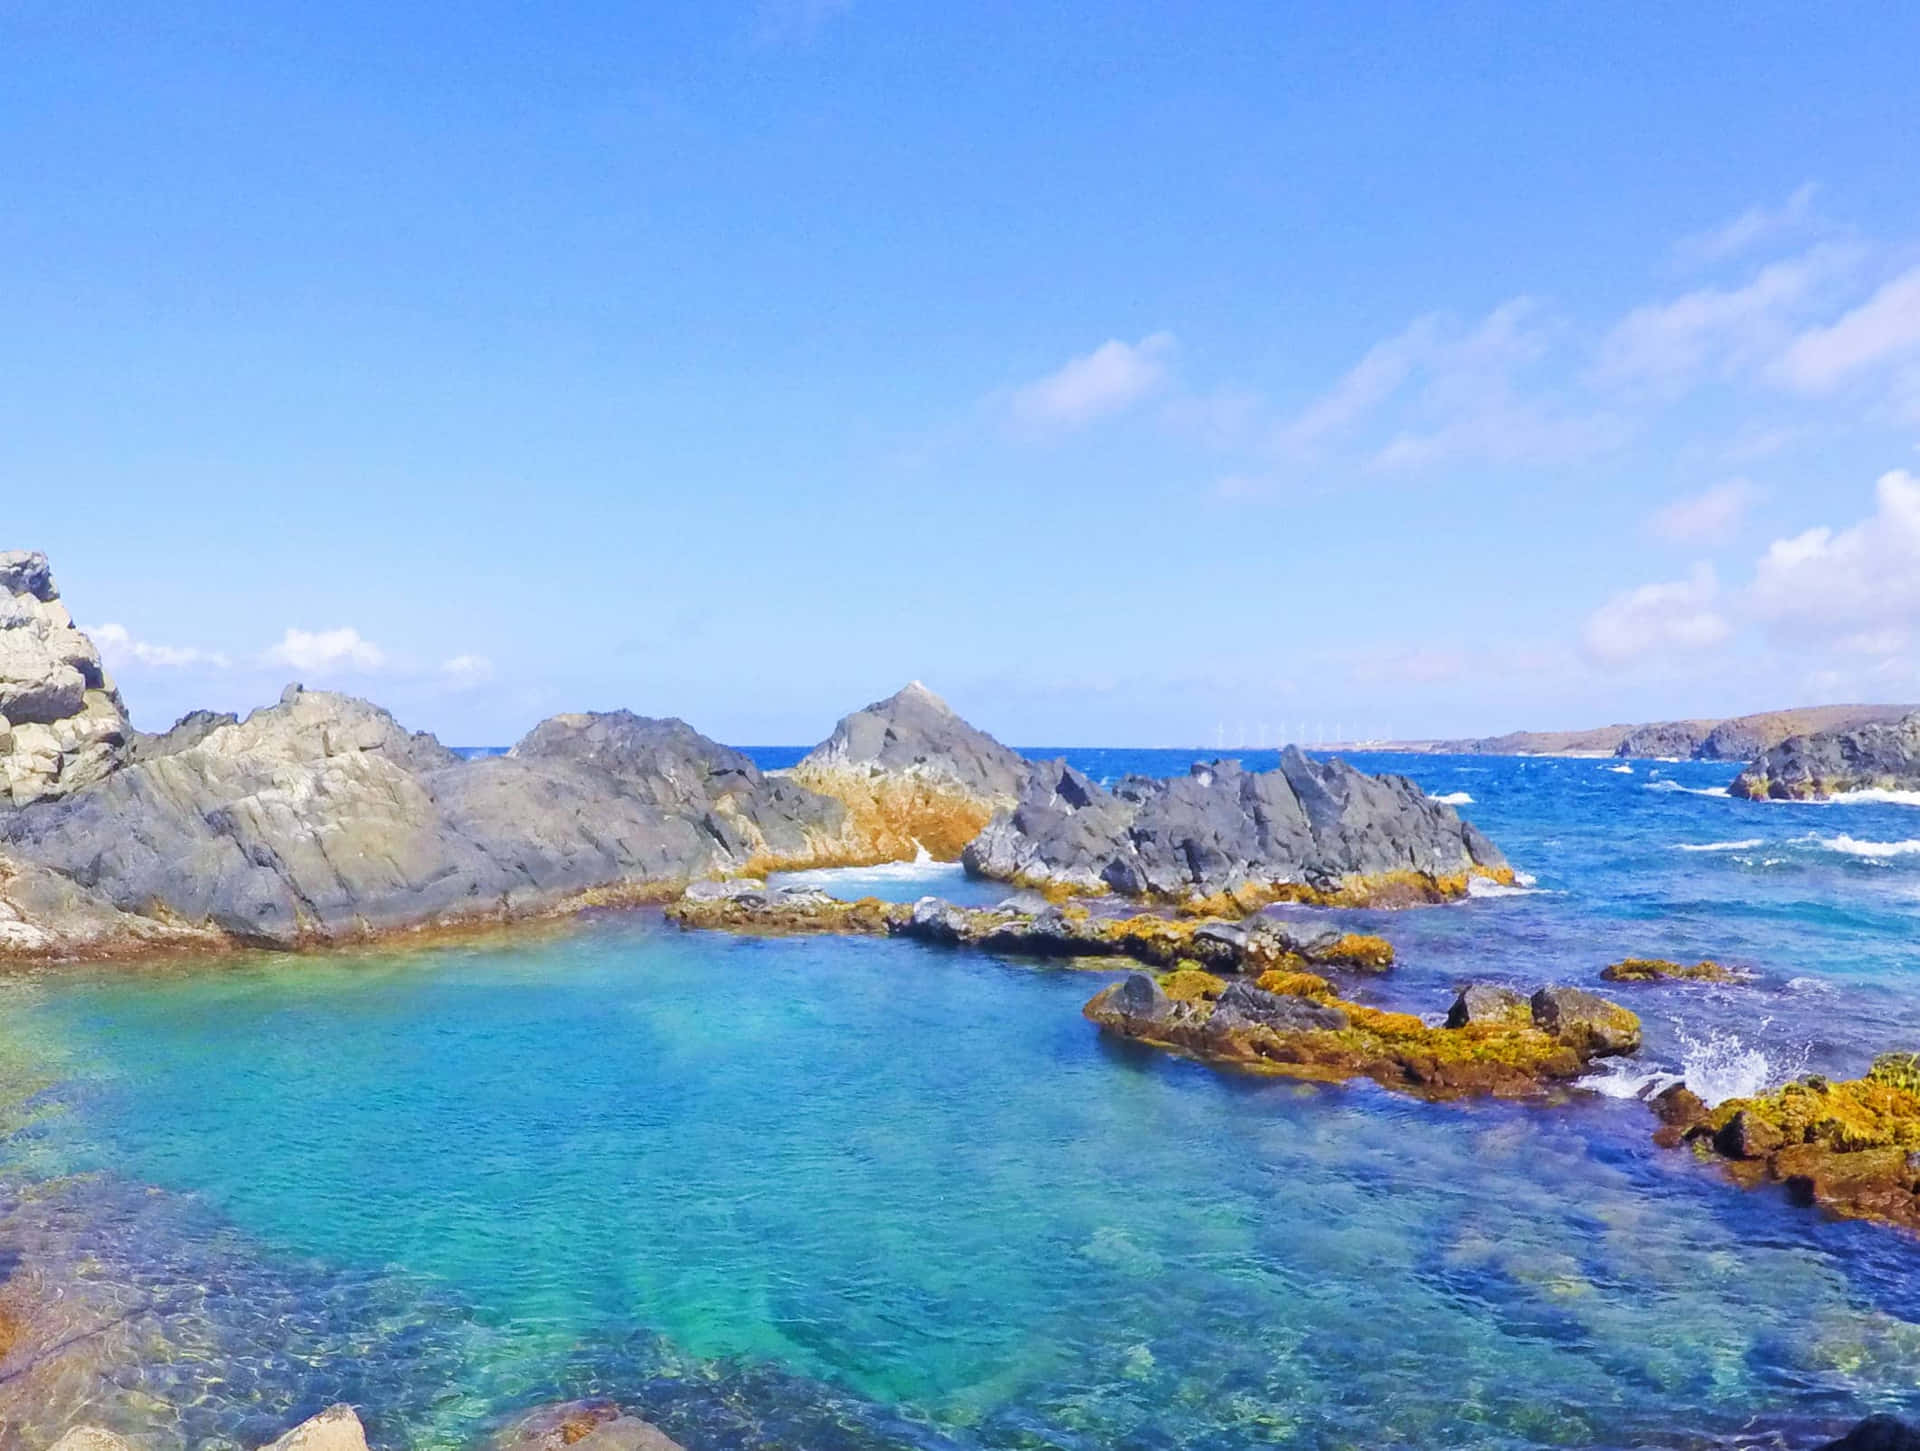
pixel 1452 798
pixel 1624 1079
pixel 1621 770
pixel 1723 1065
pixel 1748 845
pixel 923 867
pixel 1523 886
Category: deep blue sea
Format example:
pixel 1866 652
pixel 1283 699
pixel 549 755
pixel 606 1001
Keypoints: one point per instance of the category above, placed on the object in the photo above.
pixel 859 1193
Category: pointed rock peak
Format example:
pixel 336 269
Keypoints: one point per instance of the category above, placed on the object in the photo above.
pixel 913 693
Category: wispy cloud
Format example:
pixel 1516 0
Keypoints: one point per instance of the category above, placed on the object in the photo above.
pixel 777 22
pixel 119 647
pixel 326 652
pixel 1752 227
pixel 1707 517
pixel 1112 378
pixel 464 672
pixel 1884 328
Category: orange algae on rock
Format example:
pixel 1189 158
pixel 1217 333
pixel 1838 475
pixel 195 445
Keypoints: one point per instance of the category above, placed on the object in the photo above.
pixel 1189 983
pixel 1660 969
pixel 1309 1033
pixel 1851 1147
pixel 892 816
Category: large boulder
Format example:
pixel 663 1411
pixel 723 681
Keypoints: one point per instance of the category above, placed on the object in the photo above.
pixel 336 1428
pixel 914 775
pixel 62 725
pixel 1878 1433
pixel 1880 756
pixel 1309 829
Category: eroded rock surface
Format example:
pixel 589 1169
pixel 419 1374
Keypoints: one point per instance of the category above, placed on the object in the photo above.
pixel 1882 756
pixel 62 725
pixel 1237 839
pixel 321 819
pixel 1073 930
pixel 914 774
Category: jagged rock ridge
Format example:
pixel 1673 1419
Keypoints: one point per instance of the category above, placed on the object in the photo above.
pixel 1321 827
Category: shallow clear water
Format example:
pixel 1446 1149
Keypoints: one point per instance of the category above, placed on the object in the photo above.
pixel 856 1192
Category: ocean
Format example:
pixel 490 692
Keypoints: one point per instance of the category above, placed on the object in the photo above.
pixel 865 1193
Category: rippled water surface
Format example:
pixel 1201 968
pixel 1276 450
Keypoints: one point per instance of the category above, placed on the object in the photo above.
pixel 850 1192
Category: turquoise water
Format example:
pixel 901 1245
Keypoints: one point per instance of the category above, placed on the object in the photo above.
pixel 867 1193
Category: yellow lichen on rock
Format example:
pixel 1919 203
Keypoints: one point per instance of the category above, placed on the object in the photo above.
pixel 1189 983
pixel 1660 969
pixel 891 816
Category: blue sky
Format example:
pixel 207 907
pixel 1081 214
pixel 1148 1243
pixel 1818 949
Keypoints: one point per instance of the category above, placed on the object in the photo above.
pixel 1134 374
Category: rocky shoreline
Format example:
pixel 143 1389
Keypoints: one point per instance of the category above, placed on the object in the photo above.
pixel 320 821
pixel 1881 756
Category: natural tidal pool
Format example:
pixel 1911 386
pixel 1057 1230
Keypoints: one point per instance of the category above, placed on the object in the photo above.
pixel 823 1192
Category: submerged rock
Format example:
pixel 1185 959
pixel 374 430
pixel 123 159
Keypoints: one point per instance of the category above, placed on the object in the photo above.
pixel 596 1425
pixel 1293 1025
pixel 1878 1433
pixel 1879 756
pixel 62 725
pixel 1235 839
pixel 90 1438
pixel 913 774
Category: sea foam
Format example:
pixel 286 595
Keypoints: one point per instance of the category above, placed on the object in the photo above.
pixel 1452 798
pixel 1747 845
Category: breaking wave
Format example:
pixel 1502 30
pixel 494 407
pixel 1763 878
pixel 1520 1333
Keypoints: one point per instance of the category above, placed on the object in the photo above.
pixel 1452 798
pixel 1870 850
pixel 1747 845
pixel 1719 1066
pixel 1665 785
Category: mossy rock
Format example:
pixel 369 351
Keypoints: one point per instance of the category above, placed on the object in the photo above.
pixel 1190 983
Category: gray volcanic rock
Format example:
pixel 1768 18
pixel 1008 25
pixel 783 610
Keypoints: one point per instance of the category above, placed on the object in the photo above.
pixel 914 731
pixel 1732 740
pixel 62 725
pixel 1324 827
pixel 914 775
pixel 1678 740
pixel 320 819
pixel 1879 756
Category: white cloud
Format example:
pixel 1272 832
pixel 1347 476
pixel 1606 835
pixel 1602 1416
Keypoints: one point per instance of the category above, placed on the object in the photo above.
pixel 1708 517
pixel 1113 377
pixel 1716 330
pixel 1755 225
pixel 119 647
pixel 1677 617
pixel 463 672
pixel 1368 384
pixel 1884 327
pixel 1862 580
pixel 323 652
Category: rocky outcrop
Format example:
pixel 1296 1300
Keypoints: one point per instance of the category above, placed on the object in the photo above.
pixel 1293 1025
pixel 1258 945
pixel 62 725
pixel 913 774
pixel 320 819
pixel 1660 969
pixel 1667 740
pixel 1851 1147
pixel 1235 839
pixel 1879 757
